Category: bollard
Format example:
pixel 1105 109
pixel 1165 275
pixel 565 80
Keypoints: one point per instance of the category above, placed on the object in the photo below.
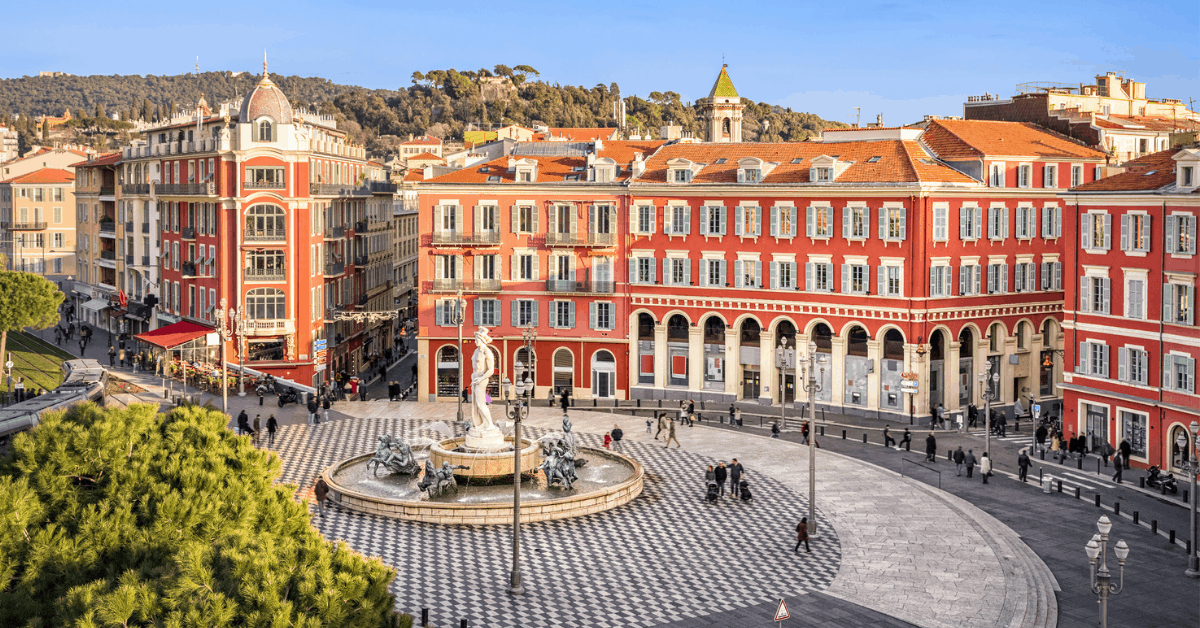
pixel 1097 500
pixel 639 403
pixel 594 401
pixel 843 434
pixel 1097 466
pixel 1163 488
pixel 424 617
pixel 462 624
pixel 1188 545
pixel 1142 482
pixel 1079 463
pixel 1062 458
pixel 660 403
pixel 1039 475
pixel 1076 492
pixel 1154 526
pixel 822 414
pixel 822 430
pixel 1185 496
pixel 1060 486
pixel 864 439
pixel 1135 517
pixel 1171 535
pixel 1116 507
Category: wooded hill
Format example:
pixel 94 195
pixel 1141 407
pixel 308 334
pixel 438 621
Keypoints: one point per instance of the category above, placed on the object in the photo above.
pixel 440 102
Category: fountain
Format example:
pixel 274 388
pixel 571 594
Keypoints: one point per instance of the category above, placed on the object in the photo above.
pixel 468 480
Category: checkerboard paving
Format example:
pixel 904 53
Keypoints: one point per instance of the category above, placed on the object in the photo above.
pixel 665 556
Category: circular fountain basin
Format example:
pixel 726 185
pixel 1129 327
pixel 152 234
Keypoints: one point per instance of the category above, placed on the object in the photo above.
pixel 485 465
pixel 606 481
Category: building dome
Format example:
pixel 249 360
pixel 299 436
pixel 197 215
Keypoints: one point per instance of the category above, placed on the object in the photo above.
pixel 266 100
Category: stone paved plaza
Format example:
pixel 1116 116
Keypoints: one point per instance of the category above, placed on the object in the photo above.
pixel 899 552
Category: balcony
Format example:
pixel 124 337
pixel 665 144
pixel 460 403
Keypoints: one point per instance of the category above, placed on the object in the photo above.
pixel 360 260
pixel 338 189
pixel 266 274
pixel 133 189
pixel 465 285
pixel 360 226
pixel 581 239
pixel 145 227
pixel 266 235
pixel 383 187
pixel 188 233
pixel 334 269
pixel 145 260
pixel 562 286
pixel 457 238
pixel 186 189
pixel 268 326
pixel 23 226
pixel 129 260
pixel 108 255
pixel 265 185
pixel 108 227
pixel 335 233
pixel 108 190
pixel 128 226
pixel 188 269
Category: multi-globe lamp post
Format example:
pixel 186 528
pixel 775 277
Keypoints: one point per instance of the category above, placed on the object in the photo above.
pixel 812 386
pixel 1097 553
pixel 1193 568
pixel 522 390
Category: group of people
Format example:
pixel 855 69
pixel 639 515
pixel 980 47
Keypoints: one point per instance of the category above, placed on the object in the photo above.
pixel 395 393
pixel 612 440
pixel 665 424
pixel 244 427
pixel 136 360
pixel 715 477
pixel 968 459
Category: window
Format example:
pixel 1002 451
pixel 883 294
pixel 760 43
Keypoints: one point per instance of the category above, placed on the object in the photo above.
pixel 1179 373
pixel 681 175
pixel 1135 232
pixel 562 314
pixel 1024 172
pixel 1050 176
pixel 677 220
pixel 446 218
pixel 1097 172
pixel 642 270
pixel 677 271
pixel 1093 359
pixel 712 220
pixel 266 304
pixel 854 278
pixel 1135 298
pixel 750 175
pixel 748 221
pixel 525 267
pixel 783 275
pixel 486 218
pixel 525 313
pixel 748 273
pixel 970 222
pixel 712 273
pixel 58 241
pixel 601 218
pixel 893 223
pixel 820 222
pixel 56 195
pixel 1076 176
pixel 1187 176
pixel 969 279
pixel 57 214
pixel 783 222
pixel 941 224
pixel 997 278
pixel 487 267
pixel 1131 365
pixel 265 221
pixel 890 278
pixel 854 223
pixel 997 223
pixel 445 312
pixel 260 264
pixel 1026 223
pixel 1179 304
pixel 600 315
pixel 822 175
pixel 1133 431
pixel 524 219
pixel 996 179
pixel 645 219
pixel 1051 222
pixel 447 266
pixel 1095 231
pixel 487 312
pixel 270 178
pixel 1094 293
pixel 1181 234
pixel 941 278
pixel 264 131
pixel 562 219
pixel 1024 277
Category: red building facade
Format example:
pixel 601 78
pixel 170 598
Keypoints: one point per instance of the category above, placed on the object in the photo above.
pixel 1131 308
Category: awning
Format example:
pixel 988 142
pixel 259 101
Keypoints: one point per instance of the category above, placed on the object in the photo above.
pixel 116 313
pixel 174 334
pixel 96 305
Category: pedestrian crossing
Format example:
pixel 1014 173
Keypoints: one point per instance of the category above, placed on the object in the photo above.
pixel 1011 437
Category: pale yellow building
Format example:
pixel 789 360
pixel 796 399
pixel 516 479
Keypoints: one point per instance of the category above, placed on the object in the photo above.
pixel 37 223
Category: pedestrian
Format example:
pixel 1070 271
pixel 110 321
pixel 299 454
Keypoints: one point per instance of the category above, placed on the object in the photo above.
pixel 58 335
pixel 802 536
pixel 1023 464
pixel 362 391
pixel 691 413
pixel 804 433
pixel 242 420
pixel 959 457
pixel 735 478
pixel 607 440
pixel 710 476
pixel 941 415
pixel 121 357
pixel 1040 437
pixel 739 418
pixel 1125 451
pixel 617 435
pixel 112 356
pixel 321 490
pixel 563 402
pixel 985 467
pixel 257 426
pixel 272 425
pixel 775 429
pixel 647 426
pixel 312 410
pixel 888 441
pixel 972 416
pixel 1118 466
pixel 662 424
pixel 969 460
pixel 1056 446
pixel 1106 451
pixel 721 474
pixel 930 448
pixel 732 414
pixel 906 441
pixel 82 345
pixel 671 435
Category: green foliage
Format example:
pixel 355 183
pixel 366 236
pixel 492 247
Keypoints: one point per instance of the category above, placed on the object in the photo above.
pixel 27 300
pixel 128 518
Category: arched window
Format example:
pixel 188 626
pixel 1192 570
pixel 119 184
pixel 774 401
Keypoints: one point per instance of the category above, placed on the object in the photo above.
pixel 996 338
pixel 750 333
pixel 265 221
pixel 937 346
pixel 725 127
pixel 1023 333
pixel 787 330
pixel 823 336
pixel 858 342
pixel 447 372
pixel 966 343
pixel 677 328
pixel 893 345
pixel 264 131
pixel 645 327
pixel 714 331
pixel 266 304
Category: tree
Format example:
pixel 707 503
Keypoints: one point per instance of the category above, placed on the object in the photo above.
pixel 503 70
pixel 100 113
pixel 26 300
pixel 125 517
pixel 417 77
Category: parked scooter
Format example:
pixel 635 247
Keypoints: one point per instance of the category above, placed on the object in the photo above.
pixel 1156 480
pixel 288 395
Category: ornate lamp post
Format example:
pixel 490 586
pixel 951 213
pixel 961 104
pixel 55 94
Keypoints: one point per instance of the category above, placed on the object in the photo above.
pixel 1193 570
pixel 1102 584
pixel 812 386
pixel 523 389
pixel 783 359
pixel 223 329
pixel 458 320
pixel 988 393
pixel 239 325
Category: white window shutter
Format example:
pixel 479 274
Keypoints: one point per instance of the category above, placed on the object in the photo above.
pixel 739 221
pixel 1169 230
pixel 721 213
pixel 903 223
pixel 633 264
pixel 846 213
pixel 653 271
pixel 1003 278
pixel 687 220
pixel 738 276
pixel 934 287
pixel 440 313
pixel 775 220
pixel 1085 231
pixel 704 212
pixel 808 276
pixel 572 262
pixel 536 273
pixel 866 222
pixel 592 315
pixel 477 312
pixel 774 275
pixel 533 320
pixel 1168 362
pixel 1107 232
pixel 1144 234
pixel 948 279
pixel 687 271
pixel 666 268
pixel 1031 223
pixel 574 219
pixel 704 273
pixel 845 279
pixel 1106 295
pixel 1085 294
pixel 978 276
pixel 1104 372
pixel 882 287
pixel 964 279
pixel 757 221
pixel 810 221
pixel 1123 364
pixel 633 219
pixel 758 274
pixel 571 315
pixel 724 279
pixel 1047 226
pixel 883 212
pixel 963 223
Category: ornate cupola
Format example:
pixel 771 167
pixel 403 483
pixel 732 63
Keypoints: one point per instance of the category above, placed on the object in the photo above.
pixel 721 111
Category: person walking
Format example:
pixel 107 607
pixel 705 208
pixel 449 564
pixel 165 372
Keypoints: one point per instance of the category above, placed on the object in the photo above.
pixel 804 433
pixel 985 467
pixel 617 435
pixel 312 410
pixel 721 474
pixel 905 441
pixel 320 491
pixel 888 441
pixel 775 429
pixel 608 440
pixel 970 461
pixel 1118 466
pixel 648 425
pixel 121 356
pixel 563 401
pixel 671 435
pixel 1040 436
pixel 802 536
pixel 1106 451
pixel 272 425
pixel 710 476
pixel 972 416
pixel 243 420
pixel 735 477
pixel 325 403
pixel 1023 464
pixel 662 424
pixel 1125 450
pixel 959 457
pixel 1056 446
pixel 257 427
pixel 691 413
pixel 930 448
pixel 732 414
pixel 112 356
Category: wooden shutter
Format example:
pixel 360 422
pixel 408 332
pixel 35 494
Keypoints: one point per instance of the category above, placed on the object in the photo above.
pixel 757 221
pixel 477 311
pixel 845 279
pixel 536 262
pixel 1004 223
pixel 775 220
pixel 723 279
pixel 738 276
pixel 978 273
pixel 774 275
pixel 633 264
pixel 1123 364
pixel 653 271
pixel 758 274
pixel 1085 294
pixel 1085 231
pixel 721 212
pixel 947 280
pixel 1004 278
pixel 883 216
pixel 963 223
pixel 1031 222
pixel 903 223
pixel 739 222
pixel 687 271
pixel 704 211
pixel 592 315
pixel 964 279
pixel 808 276
pixel 847 211
pixel 881 273
pixel 574 219
pixel 704 273
pixel 810 221
pixel 437 218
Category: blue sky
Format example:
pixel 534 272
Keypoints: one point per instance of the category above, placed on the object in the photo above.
pixel 903 60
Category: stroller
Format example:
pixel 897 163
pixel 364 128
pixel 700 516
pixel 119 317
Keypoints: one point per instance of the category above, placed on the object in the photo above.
pixel 744 491
pixel 712 494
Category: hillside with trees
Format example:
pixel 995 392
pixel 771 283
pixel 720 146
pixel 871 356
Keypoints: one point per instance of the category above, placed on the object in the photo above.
pixel 443 103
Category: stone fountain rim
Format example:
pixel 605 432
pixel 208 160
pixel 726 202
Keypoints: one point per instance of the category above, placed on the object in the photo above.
pixel 634 478
pixel 438 447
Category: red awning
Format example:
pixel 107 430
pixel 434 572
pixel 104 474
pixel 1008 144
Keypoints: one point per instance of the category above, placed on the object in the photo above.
pixel 174 334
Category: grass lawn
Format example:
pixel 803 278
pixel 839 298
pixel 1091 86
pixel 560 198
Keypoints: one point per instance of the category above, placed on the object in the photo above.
pixel 39 362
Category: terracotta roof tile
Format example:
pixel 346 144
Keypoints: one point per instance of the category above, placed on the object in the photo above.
pixel 552 168
pixel 1148 173
pixel 953 139
pixel 424 139
pixel 103 159
pixel 1141 123
pixel 44 176
pixel 425 156
pixel 581 134
pixel 898 162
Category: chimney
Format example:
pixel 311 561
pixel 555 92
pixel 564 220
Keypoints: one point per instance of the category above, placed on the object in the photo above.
pixel 639 165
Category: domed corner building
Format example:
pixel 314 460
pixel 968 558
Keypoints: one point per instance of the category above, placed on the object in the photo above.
pixel 259 205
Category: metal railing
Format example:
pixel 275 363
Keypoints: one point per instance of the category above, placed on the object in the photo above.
pixel 466 285
pixel 568 286
pixel 188 233
pixel 575 238
pixel 383 186
pixel 108 227
pixel 360 260
pixel 338 189
pixel 335 232
pixel 914 462
pixel 479 238
pixel 108 190
pixel 129 260
pixel 266 325
pixel 110 255
pixel 265 185
pixel 334 269
pixel 186 189
pixel 266 274
pixel 145 260
pixel 188 269
pixel 266 235
pixel 145 227
pixel 360 225
pixel 129 189
pixel 23 226
pixel 128 226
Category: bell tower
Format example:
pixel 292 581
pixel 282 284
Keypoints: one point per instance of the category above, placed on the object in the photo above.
pixel 721 111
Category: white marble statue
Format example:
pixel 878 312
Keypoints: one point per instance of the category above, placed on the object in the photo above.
pixel 483 434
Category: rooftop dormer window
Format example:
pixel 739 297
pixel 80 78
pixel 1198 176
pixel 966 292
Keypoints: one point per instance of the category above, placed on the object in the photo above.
pixel 264 131
pixel 822 175
pixel 681 175
pixel 751 175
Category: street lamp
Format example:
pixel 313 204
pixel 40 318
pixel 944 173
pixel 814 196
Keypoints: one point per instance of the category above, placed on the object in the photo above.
pixel 811 387
pixel 523 389
pixel 223 329
pixel 1193 570
pixel 239 324
pixel 988 393
pixel 1102 584
pixel 783 367
pixel 458 320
